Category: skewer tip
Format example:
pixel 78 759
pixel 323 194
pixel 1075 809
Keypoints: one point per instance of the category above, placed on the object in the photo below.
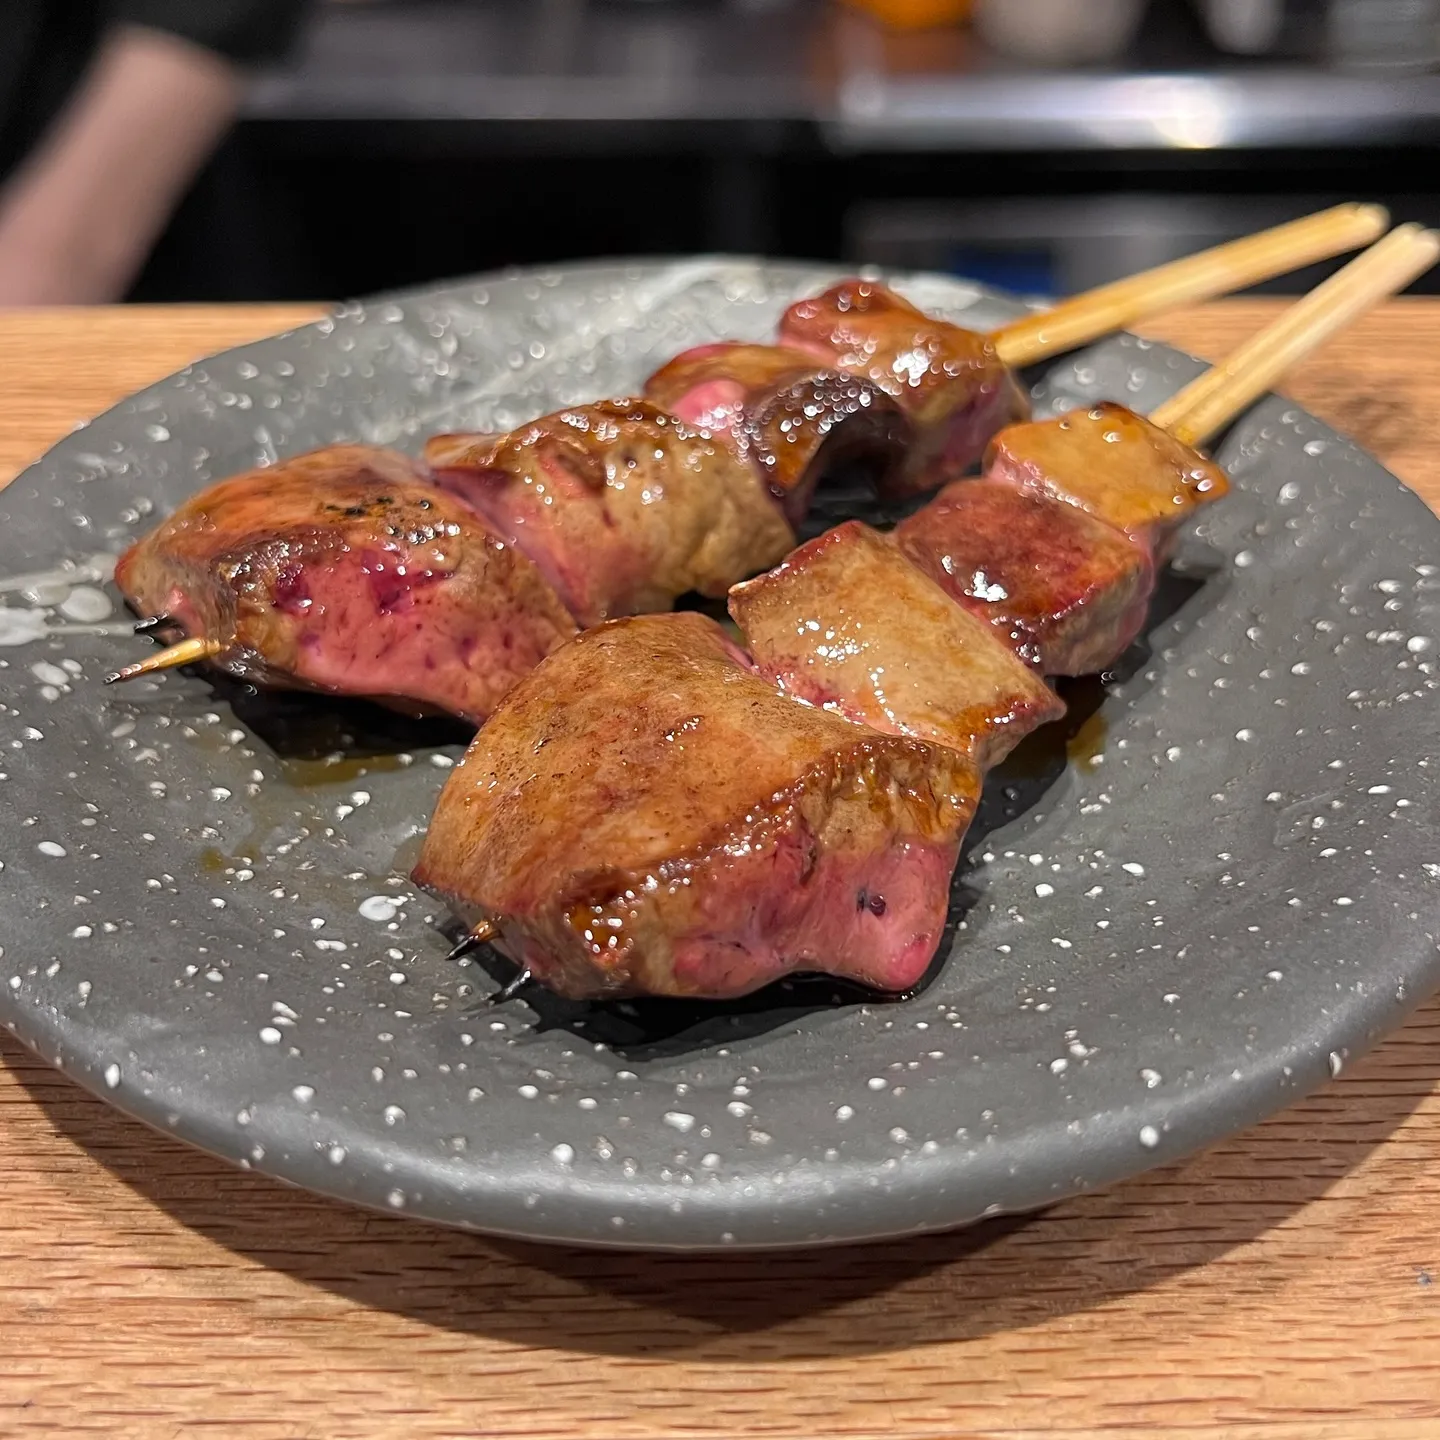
pixel 510 990
pixel 483 932
pixel 185 652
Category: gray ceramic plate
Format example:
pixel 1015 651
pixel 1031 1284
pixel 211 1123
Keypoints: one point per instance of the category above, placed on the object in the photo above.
pixel 1229 886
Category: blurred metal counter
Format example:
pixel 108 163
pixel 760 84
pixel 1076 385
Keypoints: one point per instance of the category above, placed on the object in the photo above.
pixel 414 139
pixel 541 71
pixel 809 71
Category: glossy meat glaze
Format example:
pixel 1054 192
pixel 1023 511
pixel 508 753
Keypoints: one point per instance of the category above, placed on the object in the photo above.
pixel 621 506
pixel 794 420
pixel 1068 592
pixel 646 815
pixel 950 381
pixel 849 624
pixel 1113 464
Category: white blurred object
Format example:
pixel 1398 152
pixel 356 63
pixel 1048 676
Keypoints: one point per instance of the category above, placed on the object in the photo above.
pixel 1385 34
pixel 1059 32
pixel 1243 27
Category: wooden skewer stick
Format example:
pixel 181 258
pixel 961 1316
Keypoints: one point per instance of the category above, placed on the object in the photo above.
pixel 1210 403
pixel 1219 271
pixel 186 652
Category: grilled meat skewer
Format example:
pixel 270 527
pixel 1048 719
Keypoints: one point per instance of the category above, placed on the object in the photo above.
pixel 682 786
pixel 955 386
pixel 356 571
pixel 698 523
pixel 1026 547
pixel 846 625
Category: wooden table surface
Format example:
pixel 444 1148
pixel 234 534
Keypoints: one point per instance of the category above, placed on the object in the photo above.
pixel 1283 1284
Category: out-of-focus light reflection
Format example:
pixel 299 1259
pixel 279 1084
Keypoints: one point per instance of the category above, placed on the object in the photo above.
pixel 1185 111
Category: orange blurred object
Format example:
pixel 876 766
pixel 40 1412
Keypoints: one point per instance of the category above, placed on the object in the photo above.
pixel 916 14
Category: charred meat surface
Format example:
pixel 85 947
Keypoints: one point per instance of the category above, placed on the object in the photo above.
pixel 796 421
pixel 345 571
pixel 621 506
pixel 849 624
pixel 1113 464
pixel 645 815
pixel 949 380
pixel 1068 591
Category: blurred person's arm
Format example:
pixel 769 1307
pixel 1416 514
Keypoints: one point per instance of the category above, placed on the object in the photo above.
pixel 79 217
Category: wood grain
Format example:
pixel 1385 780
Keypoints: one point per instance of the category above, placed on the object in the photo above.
pixel 1376 382
pixel 60 368
pixel 1285 1284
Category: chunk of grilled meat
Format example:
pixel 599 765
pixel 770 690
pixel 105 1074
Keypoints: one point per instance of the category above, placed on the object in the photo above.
pixel 345 571
pixel 949 380
pixel 645 815
pixel 848 623
pixel 620 505
pixel 794 420
pixel 1114 465
pixel 1068 592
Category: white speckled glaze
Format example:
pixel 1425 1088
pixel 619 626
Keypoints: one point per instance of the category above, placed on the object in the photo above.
pixel 1235 887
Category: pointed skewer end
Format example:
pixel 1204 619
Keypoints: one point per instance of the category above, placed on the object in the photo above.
pixel 186 652
pixel 482 934
pixel 510 990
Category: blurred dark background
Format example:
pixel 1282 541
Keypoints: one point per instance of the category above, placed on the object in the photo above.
pixel 1046 145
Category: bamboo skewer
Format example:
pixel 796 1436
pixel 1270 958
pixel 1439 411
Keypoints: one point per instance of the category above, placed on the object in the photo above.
pixel 1204 276
pixel 185 652
pixel 1218 396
